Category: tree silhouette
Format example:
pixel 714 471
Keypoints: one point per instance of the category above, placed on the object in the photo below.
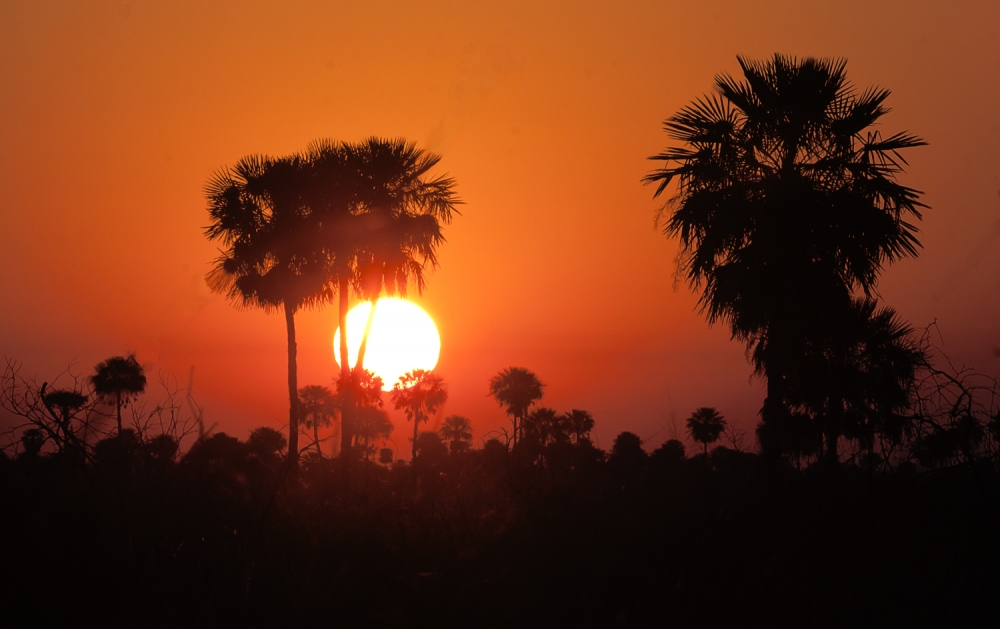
pixel 786 203
pixel 120 378
pixel 705 425
pixel 516 389
pixel 857 381
pixel 68 402
pixel 579 423
pixel 419 393
pixel 390 230
pixel 271 261
pixel 457 431
pixel 318 406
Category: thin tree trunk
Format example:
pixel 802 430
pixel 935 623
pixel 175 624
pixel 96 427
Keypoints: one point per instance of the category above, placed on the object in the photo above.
pixel 347 402
pixel 293 389
pixel 118 405
pixel 416 424
pixel 319 450
pixel 360 364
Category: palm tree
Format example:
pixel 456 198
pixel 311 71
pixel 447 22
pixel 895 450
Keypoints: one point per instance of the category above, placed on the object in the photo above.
pixel 391 230
pixel 419 393
pixel 120 378
pixel 705 425
pixel 786 203
pixel 516 389
pixel 318 406
pixel 580 424
pixel 857 382
pixel 457 430
pixel 271 261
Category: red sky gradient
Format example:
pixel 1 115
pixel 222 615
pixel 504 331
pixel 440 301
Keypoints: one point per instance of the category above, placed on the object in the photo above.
pixel 114 115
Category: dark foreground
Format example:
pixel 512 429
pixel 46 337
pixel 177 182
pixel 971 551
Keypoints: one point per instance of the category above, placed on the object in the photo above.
pixel 226 537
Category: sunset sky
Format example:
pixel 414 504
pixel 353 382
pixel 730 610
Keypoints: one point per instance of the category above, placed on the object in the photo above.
pixel 114 115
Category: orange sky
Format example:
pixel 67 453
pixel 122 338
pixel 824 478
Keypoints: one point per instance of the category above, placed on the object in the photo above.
pixel 113 116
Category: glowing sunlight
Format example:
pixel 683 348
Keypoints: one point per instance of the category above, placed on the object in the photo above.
pixel 403 338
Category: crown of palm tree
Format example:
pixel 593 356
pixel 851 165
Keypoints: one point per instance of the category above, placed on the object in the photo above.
pixel 516 389
pixel 785 199
pixel 118 375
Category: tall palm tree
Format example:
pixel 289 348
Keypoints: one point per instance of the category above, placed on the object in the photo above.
pixel 705 425
pixel 786 204
pixel 120 378
pixel 392 227
pixel 271 259
pixel 516 389
pixel 419 393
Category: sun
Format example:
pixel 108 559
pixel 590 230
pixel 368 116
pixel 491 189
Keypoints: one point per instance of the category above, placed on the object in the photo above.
pixel 403 338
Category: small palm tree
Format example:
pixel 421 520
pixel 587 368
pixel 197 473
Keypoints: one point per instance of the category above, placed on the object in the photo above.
pixel 419 393
pixel 580 424
pixel 457 430
pixel 516 389
pixel 318 406
pixel 705 425
pixel 120 378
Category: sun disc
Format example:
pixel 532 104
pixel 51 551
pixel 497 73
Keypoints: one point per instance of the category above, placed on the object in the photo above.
pixel 403 338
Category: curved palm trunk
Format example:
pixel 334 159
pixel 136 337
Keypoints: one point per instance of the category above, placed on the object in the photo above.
pixel 360 365
pixel 293 388
pixel 347 408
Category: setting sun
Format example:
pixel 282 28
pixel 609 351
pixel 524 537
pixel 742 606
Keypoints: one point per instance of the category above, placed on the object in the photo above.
pixel 403 338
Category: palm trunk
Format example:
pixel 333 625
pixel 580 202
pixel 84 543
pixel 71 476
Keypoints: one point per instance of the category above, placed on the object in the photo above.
pixel 118 405
pixel 359 365
pixel 293 389
pixel 416 425
pixel 347 403
pixel 319 450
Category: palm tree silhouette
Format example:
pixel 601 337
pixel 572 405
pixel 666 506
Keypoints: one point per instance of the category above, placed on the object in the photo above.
pixel 120 378
pixel 259 211
pixel 786 203
pixel 318 406
pixel 419 393
pixel 457 430
pixel 580 424
pixel 705 425
pixel 857 381
pixel 392 228
pixel 516 389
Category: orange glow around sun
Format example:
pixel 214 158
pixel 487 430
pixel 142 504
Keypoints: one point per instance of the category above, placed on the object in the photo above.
pixel 403 338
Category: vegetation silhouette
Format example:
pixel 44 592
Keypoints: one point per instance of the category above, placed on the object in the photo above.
pixel 419 393
pixel 516 389
pixel 705 425
pixel 786 205
pixel 874 499
pixel 120 378
pixel 300 229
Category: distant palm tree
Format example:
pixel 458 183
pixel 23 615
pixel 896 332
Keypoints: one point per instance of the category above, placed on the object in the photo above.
pixel 120 378
pixel 318 406
pixel 457 430
pixel 580 424
pixel 419 393
pixel 516 389
pixel 786 203
pixel 705 425
pixel 259 212
pixel 68 401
